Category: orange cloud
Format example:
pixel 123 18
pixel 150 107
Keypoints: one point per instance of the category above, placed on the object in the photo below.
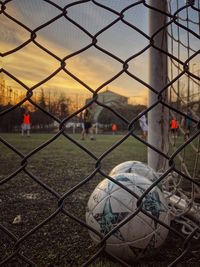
pixel 31 65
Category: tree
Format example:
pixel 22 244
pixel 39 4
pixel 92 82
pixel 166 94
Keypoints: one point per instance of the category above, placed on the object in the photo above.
pixel 39 117
pixel 127 111
pixel 63 104
pixel 12 120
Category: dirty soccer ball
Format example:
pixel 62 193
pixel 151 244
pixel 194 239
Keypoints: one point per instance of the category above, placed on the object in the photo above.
pixel 109 204
pixel 136 167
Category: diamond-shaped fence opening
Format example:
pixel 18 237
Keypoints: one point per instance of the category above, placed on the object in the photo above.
pixel 46 181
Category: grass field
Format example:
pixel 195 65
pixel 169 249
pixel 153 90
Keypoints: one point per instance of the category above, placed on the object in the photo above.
pixel 61 165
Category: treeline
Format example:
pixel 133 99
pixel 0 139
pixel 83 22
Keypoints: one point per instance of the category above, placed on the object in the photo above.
pixel 129 112
pixel 59 107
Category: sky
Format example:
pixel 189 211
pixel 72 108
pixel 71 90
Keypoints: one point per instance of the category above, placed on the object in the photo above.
pixel 31 65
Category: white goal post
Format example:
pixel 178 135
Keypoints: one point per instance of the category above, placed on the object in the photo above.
pixel 158 117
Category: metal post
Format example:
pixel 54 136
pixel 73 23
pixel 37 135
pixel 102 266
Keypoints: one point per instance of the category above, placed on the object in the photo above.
pixel 158 117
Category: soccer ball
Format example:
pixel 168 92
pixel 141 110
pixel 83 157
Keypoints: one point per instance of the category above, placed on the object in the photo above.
pixel 109 204
pixel 136 167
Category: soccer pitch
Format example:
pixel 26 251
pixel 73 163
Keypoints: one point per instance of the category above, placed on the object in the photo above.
pixel 60 166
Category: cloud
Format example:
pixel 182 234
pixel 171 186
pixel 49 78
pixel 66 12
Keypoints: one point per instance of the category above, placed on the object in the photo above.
pixel 31 65
pixel 12 35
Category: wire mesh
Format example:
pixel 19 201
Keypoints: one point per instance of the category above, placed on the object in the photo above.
pixel 182 174
pixel 186 100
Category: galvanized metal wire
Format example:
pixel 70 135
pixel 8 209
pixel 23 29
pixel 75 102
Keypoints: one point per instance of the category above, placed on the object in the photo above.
pixel 184 69
pixel 186 102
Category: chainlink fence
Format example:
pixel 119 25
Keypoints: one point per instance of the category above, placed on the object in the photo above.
pixel 181 176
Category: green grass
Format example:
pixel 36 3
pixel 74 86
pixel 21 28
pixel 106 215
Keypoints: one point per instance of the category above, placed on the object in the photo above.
pixel 61 165
pixel 63 159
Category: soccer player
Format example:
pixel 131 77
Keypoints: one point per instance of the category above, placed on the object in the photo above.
pixel 88 127
pixel 26 125
pixel 114 128
pixel 187 123
pixel 143 126
pixel 174 127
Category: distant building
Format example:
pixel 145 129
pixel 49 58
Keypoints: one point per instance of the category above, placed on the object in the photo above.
pixel 110 99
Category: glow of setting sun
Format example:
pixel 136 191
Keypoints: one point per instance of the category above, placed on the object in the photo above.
pixel 31 65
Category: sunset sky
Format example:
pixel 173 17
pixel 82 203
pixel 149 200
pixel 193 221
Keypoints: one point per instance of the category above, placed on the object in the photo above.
pixel 31 64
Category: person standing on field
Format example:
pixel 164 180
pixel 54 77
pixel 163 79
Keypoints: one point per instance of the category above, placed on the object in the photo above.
pixel 88 127
pixel 26 125
pixel 174 127
pixel 187 124
pixel 143 126
pixel 114 128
